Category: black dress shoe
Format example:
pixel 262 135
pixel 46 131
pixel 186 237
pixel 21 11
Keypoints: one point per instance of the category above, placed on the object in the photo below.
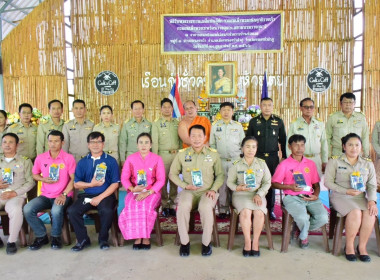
pixel 145 246
pixel 56 243
pixel 80 246
pixel 350 257
pixel 11 248
pixel 255 254
pixel 184 250
pixel 165 212
pixel 39 242
pixel 222 216
pixel 172 212
pixel 246 253
pixel 272 216
pixel 137 246
pixel 363 258
pixel 104 245
pixel 1 243
pixel 206 250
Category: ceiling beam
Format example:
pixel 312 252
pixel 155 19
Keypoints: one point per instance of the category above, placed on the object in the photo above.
pixel 2 9
pixel 7 20
pixel 19 9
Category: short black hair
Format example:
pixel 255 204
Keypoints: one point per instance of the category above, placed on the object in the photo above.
pixel 166 100
pixel 11 134
pixel 25 105
pixel 226 104
pixel 348 95
pixel 105 107
pixel 95 135
pixel 79 101
pixel 296 138
pixel 56 133
pixel 4 114
pixel 137 101
pixel 265 99
pixel 54 101
pixel 144 134
pixel 306 99
pixel 348 137
pixel 198 126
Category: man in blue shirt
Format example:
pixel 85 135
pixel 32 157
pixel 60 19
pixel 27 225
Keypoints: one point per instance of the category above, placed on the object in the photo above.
pixel 98 176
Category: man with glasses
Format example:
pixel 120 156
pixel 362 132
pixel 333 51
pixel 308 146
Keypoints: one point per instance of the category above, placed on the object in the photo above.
pixel 97 174
pixel 346 121
pixel 313 130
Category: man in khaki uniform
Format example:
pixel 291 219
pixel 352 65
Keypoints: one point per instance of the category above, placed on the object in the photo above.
pixel 203 175
pixel 226 136
pixel 131 129
pixel 166 143
pixel 341 123
pixel 16 181
pixel 76 131
pixel 313 129
pixel 26 132
pixel 55 123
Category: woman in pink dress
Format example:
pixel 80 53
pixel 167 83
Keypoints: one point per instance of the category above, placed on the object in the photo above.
pixel 143 176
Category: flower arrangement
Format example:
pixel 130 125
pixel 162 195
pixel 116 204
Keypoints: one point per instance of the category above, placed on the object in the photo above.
pixel 36 115
pixel 13 118
pixel 254 110
pixel 244 118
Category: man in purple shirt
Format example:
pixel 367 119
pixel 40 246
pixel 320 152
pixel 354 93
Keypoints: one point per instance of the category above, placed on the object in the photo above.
pixel 301 198
pixel 55 169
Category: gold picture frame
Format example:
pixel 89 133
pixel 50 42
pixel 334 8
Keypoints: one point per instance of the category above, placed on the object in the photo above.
pixel 221 78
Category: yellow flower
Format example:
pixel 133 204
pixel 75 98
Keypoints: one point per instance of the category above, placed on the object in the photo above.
pixel 102 166
pixel 196 169
pixel 7 170
pixel 54 165
pixel 141 172
pixel 356 173
pixel 249 171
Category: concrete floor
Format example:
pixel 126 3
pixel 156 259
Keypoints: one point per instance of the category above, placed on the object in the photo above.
pixel 165 263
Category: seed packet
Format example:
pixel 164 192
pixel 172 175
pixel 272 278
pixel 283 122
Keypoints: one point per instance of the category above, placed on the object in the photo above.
pixel 54 172
pixel 196 178
pixel 249 178
pixel 141 178
pixel 357 181
pixel 7 175
pixel 100 171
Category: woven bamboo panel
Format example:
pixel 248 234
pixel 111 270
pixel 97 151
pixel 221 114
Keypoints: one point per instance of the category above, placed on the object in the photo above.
pixel 34 62
pixel 124 36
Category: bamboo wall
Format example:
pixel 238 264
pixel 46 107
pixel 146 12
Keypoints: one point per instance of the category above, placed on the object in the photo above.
pixel 371 73
pixel 34 62
pixel 124 37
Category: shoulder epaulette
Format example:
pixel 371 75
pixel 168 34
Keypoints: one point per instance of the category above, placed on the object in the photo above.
pixel 13 125
pixel 361 113
pixel 318 119
pixel 182 150
pixel 333 113
pixel 236 161
pixel 157 119
pixel 24 157
pixel 293 121
pixel 44 121
pixel 335 157
pixel 91 120
pixel 67 121
pixel 212 150
pixel 274 115
pixel 367 159
pixel 97 125
pixel 235 122
pixel 260 159
pixel 214 122
pixel 34 124
pixel 127 120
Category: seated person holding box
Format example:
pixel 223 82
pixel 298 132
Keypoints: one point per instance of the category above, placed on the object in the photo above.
pixel 352 180
pixel 203 175
pixel 98 176
pixel 298 177
pixel 55 169
pixel 249 178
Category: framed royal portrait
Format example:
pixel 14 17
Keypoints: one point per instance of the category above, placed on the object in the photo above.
pixel 221 79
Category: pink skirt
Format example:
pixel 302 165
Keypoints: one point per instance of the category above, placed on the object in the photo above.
pixel 137 218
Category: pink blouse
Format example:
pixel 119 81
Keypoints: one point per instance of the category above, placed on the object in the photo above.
pixel 153 167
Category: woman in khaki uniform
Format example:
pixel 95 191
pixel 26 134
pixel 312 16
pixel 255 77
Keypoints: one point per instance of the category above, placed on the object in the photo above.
pixel 359 206
pixel 110 130
pixel 249 178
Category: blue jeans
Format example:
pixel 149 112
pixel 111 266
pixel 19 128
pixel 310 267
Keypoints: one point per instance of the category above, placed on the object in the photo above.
pixel 308 215
pixel 40 203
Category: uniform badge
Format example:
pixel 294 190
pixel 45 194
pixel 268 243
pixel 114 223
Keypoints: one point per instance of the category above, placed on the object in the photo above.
pixel 258 133
pixel 218 128
pixel 274 132
pixel 307 170
pixel 21 141
pixel 132 125
pixel 162 125
pixel 316 126
pixel 73 128
pixel 339 121
pixel 208 158
pixel 258 121
pixel 300 128
pixel 147 126
pixel 187 169
pixel 274 123
pixel 114 132
pixel 62 166
pixel 88 128
pixel 234 130
pixel 187 158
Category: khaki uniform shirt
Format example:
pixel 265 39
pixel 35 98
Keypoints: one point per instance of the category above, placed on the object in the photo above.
pixel 1 136
pixel 338 171
pixel 315 134
pixel 226 138
pixel 165 136
pixel 207 161
pixel 339 126
pixel 21 167
pixel 76 137
pixel 128 136
pixel 111 134
pixel 376 139
pixel 27 137
pixel 259 168
pixel 42 132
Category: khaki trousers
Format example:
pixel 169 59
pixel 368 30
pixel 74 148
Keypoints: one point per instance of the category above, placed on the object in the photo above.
pixel 168 200
pixel 188 201
pixel 224 192
pixel 13 207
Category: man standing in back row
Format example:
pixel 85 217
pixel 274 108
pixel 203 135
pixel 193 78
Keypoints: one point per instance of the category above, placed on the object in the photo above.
pixel 269 130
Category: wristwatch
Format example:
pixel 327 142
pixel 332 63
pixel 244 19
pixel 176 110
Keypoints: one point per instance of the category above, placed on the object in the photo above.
pixel 64 194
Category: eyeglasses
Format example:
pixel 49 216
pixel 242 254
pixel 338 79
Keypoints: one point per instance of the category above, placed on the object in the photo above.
pixel 308 107
pixel 95 142
pixel 348 102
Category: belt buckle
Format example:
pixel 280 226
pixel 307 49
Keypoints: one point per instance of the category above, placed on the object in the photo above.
pixel 109 152
pixel 266 155
pixel 228 159
pixel 173 151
